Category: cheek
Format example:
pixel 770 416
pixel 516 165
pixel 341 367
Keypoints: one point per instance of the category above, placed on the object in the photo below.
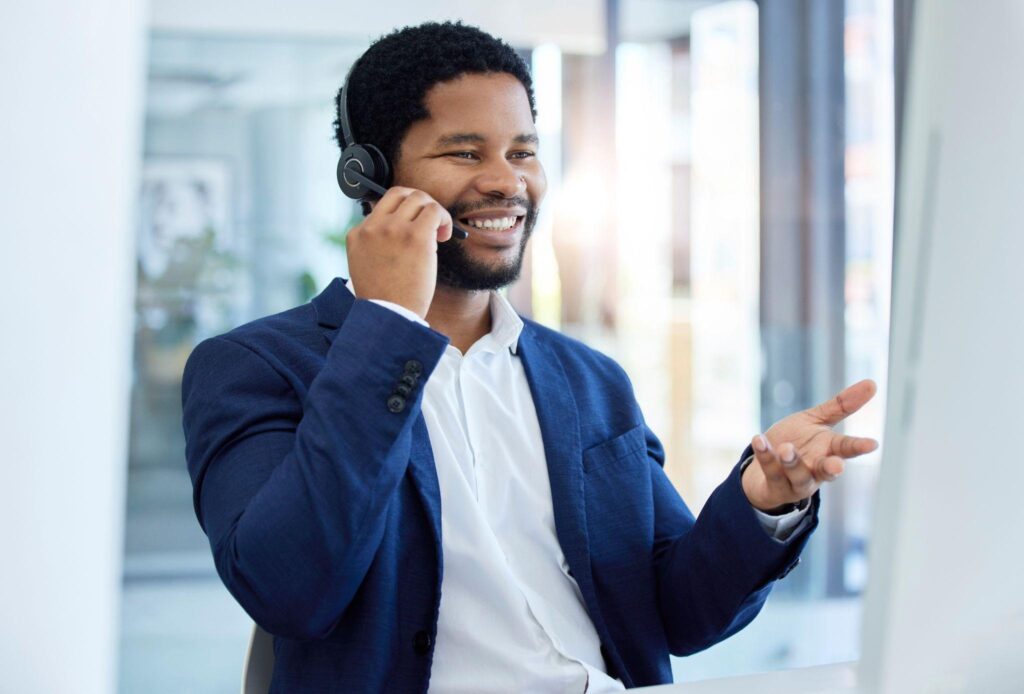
pixel 538 184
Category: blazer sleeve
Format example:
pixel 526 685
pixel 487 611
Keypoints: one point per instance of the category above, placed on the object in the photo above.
pixel 714 572
pixel 292 493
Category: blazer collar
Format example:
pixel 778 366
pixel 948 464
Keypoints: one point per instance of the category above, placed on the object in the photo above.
pixel 333 303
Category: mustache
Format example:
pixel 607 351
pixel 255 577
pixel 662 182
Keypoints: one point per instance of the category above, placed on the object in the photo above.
pixel 463 208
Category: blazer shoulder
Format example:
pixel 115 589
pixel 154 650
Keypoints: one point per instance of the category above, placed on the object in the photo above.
pixel 294 323
pixel 287 342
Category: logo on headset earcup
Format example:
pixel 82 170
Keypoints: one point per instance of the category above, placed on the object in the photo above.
pixel 368 161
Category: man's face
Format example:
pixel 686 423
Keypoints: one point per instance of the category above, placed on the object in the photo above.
pixel 477 155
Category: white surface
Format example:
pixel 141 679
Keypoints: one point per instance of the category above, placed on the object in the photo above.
pixel 944 610
pixel 840 678
pixel 72 86
pixel 574 25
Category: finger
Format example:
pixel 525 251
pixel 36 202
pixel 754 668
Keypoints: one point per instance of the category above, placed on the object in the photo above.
pixel 766 458
pixel 846 403
pixel 851 446
pixel 413 204
pixel 391 201
pixel 437 218
pixel 829 468
pixel 796 470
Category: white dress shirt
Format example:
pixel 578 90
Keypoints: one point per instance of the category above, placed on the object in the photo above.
pixel 511 618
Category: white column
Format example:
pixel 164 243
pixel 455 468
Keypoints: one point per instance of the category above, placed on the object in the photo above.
pixel 71 81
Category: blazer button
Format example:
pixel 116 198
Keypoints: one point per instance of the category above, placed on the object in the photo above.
pixel 421 642
pixel 413 367
pixel 408 379
pixel 403 389
pixel 396 403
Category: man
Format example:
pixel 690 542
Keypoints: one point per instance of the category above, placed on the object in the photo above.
pixel 417 488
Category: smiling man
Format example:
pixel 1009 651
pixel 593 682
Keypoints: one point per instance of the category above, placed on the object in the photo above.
pixel 412 487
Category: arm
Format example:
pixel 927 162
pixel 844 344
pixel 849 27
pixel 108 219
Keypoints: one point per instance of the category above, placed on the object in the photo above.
pixel 291 494
pixel 714 572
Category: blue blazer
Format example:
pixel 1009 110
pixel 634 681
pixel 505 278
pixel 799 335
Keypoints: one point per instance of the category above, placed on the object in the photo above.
pixel 314 480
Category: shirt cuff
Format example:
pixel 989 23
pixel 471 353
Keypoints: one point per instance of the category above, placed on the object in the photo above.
pixel 402 311
pixel 781 527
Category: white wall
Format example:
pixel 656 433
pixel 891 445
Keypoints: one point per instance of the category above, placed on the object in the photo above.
pixel 71 81
pixel 945 602
pixel 574 25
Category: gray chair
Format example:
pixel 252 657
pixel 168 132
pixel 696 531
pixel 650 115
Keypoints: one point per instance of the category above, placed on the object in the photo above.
pixel 259 662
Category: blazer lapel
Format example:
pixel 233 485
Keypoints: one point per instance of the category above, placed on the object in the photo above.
pixel 558 416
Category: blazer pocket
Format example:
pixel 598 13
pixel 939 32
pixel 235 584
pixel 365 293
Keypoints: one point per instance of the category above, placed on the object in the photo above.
pixel 613 450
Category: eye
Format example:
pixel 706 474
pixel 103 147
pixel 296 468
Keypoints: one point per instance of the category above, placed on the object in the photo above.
pixel 462 155
pixel 522 155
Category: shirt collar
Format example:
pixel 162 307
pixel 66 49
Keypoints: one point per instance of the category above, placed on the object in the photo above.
pixel 506 325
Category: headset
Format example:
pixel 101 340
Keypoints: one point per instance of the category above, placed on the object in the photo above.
pixel 363 170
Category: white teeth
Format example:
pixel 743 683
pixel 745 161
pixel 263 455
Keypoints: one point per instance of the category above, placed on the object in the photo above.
pixel 500 224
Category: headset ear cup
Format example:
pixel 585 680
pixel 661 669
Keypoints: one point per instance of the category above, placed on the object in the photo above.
pixel 381 169
pixel 371 163
pixel 358 159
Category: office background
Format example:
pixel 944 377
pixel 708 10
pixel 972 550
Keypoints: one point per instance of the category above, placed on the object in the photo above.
pixel 719 220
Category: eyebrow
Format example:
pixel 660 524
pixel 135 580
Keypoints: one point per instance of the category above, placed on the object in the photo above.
pixel 476 138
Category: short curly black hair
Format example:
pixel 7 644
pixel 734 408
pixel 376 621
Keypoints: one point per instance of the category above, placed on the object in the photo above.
pixel 390 80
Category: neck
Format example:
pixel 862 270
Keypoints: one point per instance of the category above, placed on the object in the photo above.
pixel 463 315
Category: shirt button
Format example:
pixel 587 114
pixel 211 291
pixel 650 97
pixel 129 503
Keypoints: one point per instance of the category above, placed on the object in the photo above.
pixel 421 642
pixel 396 403
pixel 413 367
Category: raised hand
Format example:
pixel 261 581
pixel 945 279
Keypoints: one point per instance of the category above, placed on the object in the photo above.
pixel 801 452
pixel 392 254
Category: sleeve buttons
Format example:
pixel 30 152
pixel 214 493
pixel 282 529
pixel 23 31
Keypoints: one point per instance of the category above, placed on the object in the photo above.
pixel 396 403
pixel 408 380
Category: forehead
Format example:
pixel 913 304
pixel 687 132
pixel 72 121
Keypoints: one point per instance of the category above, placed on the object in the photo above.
pixel 494 105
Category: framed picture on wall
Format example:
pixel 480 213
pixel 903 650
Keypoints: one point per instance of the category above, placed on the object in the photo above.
pixel 185 213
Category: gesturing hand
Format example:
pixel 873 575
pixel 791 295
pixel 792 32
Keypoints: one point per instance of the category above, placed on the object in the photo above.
pixel 801 452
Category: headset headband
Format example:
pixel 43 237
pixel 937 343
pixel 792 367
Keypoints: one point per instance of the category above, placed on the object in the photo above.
pixel 346 127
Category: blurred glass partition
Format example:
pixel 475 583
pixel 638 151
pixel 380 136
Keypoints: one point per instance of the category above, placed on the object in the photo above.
pixel 753 265
pixel 239 217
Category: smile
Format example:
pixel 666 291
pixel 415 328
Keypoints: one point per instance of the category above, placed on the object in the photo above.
pixel 493 224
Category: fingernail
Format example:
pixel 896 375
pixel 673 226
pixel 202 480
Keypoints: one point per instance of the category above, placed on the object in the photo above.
pixel 789 456
pixel 760 445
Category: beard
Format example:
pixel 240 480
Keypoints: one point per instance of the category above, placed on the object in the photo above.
pixel 456 269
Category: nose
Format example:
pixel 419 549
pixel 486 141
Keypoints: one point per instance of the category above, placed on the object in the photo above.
pixel 501 179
